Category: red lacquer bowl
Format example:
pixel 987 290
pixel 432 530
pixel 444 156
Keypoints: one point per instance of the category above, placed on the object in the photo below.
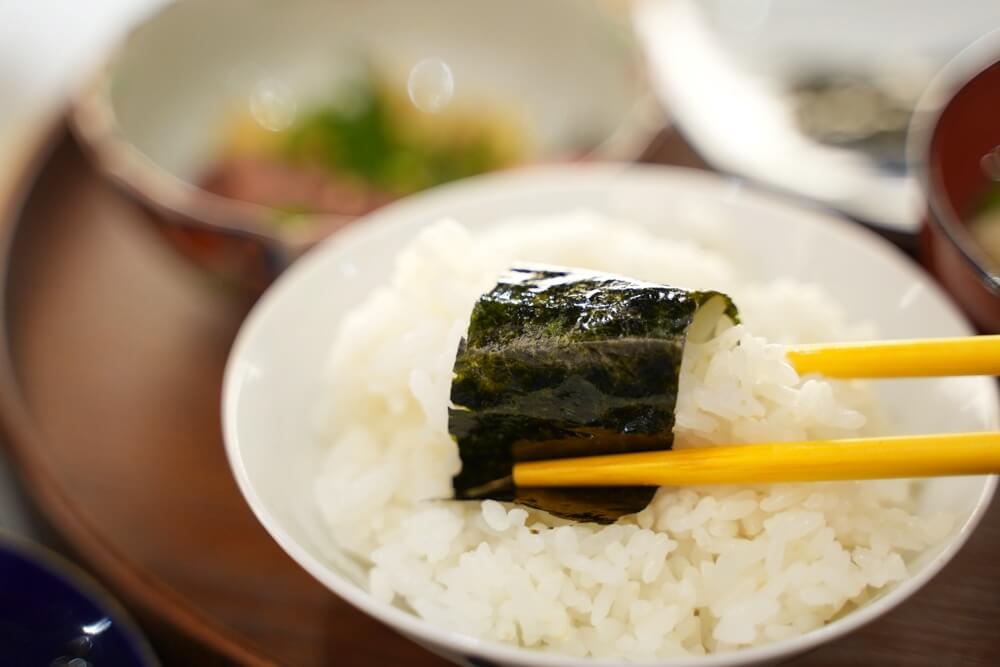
pixel 956 125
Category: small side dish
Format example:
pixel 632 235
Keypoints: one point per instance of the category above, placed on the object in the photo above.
pixel 953 144
pixel 55 614
pixel 252 135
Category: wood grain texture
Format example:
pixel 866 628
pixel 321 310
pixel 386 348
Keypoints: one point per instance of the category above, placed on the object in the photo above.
pixel 117 349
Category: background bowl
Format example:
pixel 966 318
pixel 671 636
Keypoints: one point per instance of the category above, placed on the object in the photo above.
pixel 727 73
pixel 570 70
pixel 957 127
pixel 53 614
pixel 273 379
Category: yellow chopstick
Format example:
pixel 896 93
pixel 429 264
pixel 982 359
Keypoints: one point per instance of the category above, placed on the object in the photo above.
pixel 810 461
pixel 974 355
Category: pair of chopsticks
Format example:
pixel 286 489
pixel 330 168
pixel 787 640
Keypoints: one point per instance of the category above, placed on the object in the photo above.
pixel 816 460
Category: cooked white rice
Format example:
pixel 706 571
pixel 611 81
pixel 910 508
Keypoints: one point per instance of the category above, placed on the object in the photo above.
pixel 701 569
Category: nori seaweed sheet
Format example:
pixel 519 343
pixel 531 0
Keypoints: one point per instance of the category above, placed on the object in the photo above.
pixel 560 363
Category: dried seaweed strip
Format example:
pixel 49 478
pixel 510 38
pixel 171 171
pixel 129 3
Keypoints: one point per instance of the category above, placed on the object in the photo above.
pixel 561 363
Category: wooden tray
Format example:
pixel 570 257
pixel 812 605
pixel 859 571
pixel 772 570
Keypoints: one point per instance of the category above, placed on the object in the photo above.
pixel 113 351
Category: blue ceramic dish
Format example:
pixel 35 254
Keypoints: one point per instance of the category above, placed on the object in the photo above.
pixel 53 615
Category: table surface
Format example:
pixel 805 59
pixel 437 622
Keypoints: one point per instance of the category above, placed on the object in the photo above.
pixel 118 350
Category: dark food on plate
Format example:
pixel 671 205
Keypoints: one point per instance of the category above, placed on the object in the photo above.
pixel 561 363
pixel 856 112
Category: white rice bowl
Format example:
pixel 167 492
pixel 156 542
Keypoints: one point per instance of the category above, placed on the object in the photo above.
pixel 701 570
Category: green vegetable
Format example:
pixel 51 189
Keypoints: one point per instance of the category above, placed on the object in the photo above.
pixel 561 363
pixel 372 134
pixel 985 228
pixel 990 201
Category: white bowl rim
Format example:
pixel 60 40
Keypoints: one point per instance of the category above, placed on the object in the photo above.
pixel 487 185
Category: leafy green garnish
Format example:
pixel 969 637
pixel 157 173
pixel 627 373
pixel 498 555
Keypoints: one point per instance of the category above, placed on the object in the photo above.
pixel 991 200
pixel 375 136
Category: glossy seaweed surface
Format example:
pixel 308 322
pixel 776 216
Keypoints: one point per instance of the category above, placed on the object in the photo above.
pixel 561 363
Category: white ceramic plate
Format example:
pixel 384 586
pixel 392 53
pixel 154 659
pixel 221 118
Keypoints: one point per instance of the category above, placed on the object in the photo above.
pixel 719 67
pixel 272 386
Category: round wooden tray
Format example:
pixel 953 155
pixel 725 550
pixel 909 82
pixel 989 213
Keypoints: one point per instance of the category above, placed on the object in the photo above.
pixel 110 376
